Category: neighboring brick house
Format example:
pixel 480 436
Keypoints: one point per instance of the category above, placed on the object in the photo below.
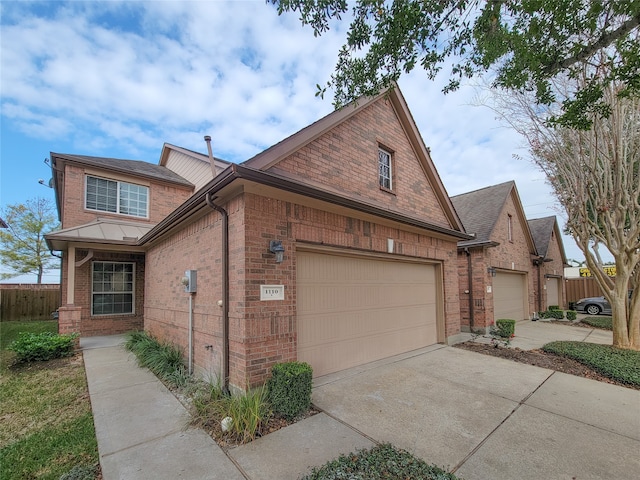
pixel 336 246
pixel 549 266
pixel 495 268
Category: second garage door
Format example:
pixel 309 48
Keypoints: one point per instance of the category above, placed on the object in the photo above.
pixel 509 295
pixel 553 291
pixel 353 310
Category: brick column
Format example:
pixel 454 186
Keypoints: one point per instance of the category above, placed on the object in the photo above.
pixel 69 319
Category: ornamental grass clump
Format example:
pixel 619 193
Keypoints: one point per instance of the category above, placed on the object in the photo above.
pixel 163 359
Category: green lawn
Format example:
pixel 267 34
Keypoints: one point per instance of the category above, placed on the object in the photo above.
pixel 615 363
pixel 47 425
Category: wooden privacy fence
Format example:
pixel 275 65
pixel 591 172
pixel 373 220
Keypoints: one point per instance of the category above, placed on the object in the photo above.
pixel 582 287
pixel 28 301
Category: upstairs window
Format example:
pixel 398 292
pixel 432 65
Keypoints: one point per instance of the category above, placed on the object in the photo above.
pixel 117 197
pixel 509 228
pixel 385 170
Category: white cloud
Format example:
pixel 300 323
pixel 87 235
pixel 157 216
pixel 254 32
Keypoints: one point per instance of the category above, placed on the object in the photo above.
pixel 173 71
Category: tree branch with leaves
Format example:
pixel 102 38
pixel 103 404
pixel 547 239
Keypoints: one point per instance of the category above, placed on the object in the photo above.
pixel 523 45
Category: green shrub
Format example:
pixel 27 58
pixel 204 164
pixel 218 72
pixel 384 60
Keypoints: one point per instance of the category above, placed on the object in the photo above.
pixel 34 347
pixel 505 327
pixel 380 462
pixel 571 314
pixel 599 322
pixel 554 307
pixel 555 314
pixel 615 363
pixel 289 388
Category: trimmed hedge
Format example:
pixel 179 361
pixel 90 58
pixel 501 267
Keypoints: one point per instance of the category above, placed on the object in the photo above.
pixel 555 314
pixel 618 364
pixel 554 307
pixel 39 347
pixel 505 327
pixel 571 314
pixel 599 322
pixel 289 388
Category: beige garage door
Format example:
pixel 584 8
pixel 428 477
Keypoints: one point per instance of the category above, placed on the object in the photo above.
pixel 353 310
pixel 553 292
pixel 509 293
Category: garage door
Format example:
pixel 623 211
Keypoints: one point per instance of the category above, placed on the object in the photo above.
pixel 553 292
pixel 353 310
pixel 509 293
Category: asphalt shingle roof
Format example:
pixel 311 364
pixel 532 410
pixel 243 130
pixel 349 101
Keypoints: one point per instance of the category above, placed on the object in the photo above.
pixel 479 210
pixel 135 167
pixel 541 229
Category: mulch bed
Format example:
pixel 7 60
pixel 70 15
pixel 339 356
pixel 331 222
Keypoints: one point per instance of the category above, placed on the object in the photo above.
pixel 542 359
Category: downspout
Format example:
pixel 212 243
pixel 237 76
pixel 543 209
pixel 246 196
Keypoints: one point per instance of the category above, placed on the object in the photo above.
pixel 225 289
pixel 470 287
pixel 538 263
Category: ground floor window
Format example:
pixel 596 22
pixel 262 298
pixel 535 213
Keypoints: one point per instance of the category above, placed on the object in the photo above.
pixel 112 288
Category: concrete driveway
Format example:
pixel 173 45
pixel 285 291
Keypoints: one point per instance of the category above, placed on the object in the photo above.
pixel 488 418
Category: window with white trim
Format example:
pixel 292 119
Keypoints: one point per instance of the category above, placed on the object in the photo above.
pixel 112 288
pixel 116 197
pixel 509 228
pixel 385 171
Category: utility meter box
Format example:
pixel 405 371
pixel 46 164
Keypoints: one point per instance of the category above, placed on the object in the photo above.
pixel 190 281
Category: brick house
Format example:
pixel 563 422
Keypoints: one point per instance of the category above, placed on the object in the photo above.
pixel 501 269
pixel 336 246
pixel 549 266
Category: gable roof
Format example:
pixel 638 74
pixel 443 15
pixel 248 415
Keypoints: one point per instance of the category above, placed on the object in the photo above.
pixel 167 147
pixel 283 149
pixel 541 229
pixel 480 209
pixel 102 231
pixel 130 167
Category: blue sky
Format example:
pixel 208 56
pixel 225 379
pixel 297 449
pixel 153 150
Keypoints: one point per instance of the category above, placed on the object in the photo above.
pixel 120 78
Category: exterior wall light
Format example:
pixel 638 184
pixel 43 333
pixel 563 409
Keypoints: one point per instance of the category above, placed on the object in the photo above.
pixel 275 246
pixel 491 271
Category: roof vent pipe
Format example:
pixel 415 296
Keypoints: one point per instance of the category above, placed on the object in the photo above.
pixel 207 139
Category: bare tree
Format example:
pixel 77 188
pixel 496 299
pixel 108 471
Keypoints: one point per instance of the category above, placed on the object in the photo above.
pixel 594 173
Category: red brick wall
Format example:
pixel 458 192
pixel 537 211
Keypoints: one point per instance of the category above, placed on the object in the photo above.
pixel 482 301
pixel 512 255
pixel 103 324
pixel 195 247
pixel 163 199
pixel 346 160
pixel 262 333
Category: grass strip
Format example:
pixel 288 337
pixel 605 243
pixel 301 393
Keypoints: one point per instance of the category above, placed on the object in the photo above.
pixel 599 322
pixel 382 462
pixel 51 452
pixel 615 363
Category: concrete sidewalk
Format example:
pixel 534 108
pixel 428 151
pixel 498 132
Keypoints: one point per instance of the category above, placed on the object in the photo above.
pixel 481 416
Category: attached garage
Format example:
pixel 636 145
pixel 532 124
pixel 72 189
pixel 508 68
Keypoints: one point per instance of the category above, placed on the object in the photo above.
pixel 509 296
pixel 553 291
pixel 356 309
